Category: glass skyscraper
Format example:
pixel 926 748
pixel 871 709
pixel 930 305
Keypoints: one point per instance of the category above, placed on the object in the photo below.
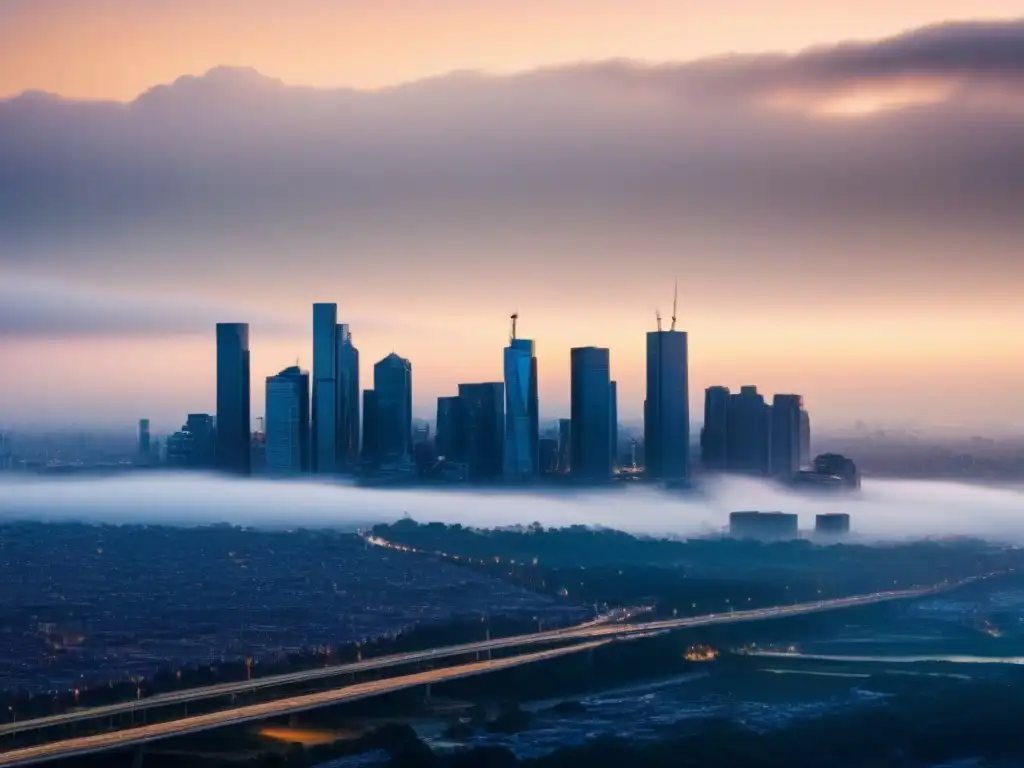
pixel 234 449
pixel 667 407
pixel 347 382
pixel 392 382
pixel 287 424
pixel 482 416
pixel 325 389
pixel 522 429
pixel 591 411
pixel 714 435
pixel 786 430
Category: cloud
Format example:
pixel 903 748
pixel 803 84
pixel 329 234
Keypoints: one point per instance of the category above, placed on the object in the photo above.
pixel 886 509
pixel 32 307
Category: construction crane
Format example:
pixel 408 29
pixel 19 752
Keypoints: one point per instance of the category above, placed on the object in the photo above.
pixel 675 297
pixel 515 317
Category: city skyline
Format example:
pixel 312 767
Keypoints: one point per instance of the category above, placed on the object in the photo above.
pixel 842 223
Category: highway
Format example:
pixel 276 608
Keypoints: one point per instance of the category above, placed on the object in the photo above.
pixel 596 629
pixel 148 733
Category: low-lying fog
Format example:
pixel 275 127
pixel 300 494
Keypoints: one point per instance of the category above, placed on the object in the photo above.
pixel 883 509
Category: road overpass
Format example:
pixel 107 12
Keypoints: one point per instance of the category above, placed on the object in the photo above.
pixel 135 737
pixel 590 631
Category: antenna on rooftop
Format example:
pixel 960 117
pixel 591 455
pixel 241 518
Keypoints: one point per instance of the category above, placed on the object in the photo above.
pixel 675 298
pixel 515 317
pixel 657 314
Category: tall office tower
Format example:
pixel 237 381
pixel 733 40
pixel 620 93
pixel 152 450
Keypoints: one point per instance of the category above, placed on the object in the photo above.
pixel 287 423
pixel 202 440
pixel 370 455
pixel 392 381
pixel 449 430
pixel 324 430
pixel 145 451
pixel 522 427
pixel 714 435
pixel 786 423
pixel 590 391
pixel 234 424
pixel 564 445
pixel 483 428
pixel 613 420
pixel 667 407
pixel 749 433
pixel 805 439
pixel 347 382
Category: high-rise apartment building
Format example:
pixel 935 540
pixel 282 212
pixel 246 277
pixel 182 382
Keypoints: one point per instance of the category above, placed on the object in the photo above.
pixel 522 429
pixel 750 433
pixel 667 408
pixel 392 382
pixel 449 433
pixel 287 422
pixel 233 391
pixel 482 410
pixel 324 428
pixel 564 445
pixel 347 383
pixel 786 431
pixel 714 435
pixel 590 393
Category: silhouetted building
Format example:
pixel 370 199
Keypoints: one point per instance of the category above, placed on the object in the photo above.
pixel 287 438
pixel 145 450
pixel 785 435
pixel 547 452
pixel 392 381
pixel 749 433
pixel 564 445
pixel 667 407
pixel 591 413
pixel 832 524
pixel 613 421
pixel 202 431
pixel 371 429
pixel 521 410
pixel 837 465
pixel 324 429
pixel 714 435
pixel 449 431
pixel 482 408
pixel 234 425
pixel 805 439
pixel 347 383
pixel 765 526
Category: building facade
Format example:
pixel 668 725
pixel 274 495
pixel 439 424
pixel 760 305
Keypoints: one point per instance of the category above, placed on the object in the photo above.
pixel 482 413
pixel 714 435
pixel 392 381
pixel 786 435
pixel 234 424
pixel 347 385
pixel 613 405
pixel 590 407
pixel 667 408
pixel 287 436
pixel 448 432
pixel 522 425
pixel 324 428
pixel 749 442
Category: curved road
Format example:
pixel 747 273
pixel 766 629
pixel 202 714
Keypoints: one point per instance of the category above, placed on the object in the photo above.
pixel 599 628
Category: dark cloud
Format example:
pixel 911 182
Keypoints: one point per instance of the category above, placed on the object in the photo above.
pixel 240 167
pixel 37 308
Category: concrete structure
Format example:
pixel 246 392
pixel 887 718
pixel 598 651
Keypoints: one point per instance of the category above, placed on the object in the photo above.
pixel 764 526
pixel 832 524
pixel 591 433
pixel 667 407
pixel 837 465
pixel 324 429
pixel 520 460
pixel 234 423
pixel 287 423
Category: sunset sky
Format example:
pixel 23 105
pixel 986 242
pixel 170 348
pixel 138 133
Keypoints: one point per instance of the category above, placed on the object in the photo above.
pixel 838 187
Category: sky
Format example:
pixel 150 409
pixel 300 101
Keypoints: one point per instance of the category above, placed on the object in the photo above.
pixel 835 185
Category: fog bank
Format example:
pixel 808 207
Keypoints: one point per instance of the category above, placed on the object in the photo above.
pixel 884 508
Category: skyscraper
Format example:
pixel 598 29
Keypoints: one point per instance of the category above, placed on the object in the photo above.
pixel 714 435
pixel 145 451
pixel 521 411
pixel 449 431
pixel 392 381
pixel 347 382
pixel 805 439
pixel 371 429
pixel 482 408
pixel 233 420
pixel 287 423
pixel 750 433
pixel 613 404
pixel 324 429
pixel 785 435
pixel 667 407
pixel 564 445
pixel 590 392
